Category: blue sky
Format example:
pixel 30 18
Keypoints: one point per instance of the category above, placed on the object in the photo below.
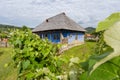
pixel 33 12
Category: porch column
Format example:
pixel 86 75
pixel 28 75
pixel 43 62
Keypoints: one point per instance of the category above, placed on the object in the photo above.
pixel 50 36
pixel 42 36
pixel 61 37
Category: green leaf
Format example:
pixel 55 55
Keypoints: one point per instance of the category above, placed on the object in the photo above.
pixel 30 75
pixel 107 71
pixel 108 22
pixel 112 38
pixel 88 65
pixel 45 53
pixel 25 64
pixel 91 63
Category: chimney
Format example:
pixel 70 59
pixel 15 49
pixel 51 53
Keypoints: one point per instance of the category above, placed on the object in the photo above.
pixel 46 20
pixel 63 13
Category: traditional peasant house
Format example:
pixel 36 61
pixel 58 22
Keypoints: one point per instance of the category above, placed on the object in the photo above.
pixel 60 29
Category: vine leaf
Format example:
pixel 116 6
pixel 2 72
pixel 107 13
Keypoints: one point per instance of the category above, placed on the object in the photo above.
pixel 112 38
pixel 108 22
pixel 25 64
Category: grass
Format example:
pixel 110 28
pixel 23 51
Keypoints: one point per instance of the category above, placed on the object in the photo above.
pixel 7 72
pixel 82 51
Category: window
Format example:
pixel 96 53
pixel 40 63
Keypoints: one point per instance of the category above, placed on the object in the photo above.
pixel 45 36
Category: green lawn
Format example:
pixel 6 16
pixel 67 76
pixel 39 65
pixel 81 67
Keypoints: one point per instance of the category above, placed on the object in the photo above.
pixel 82 51
pixel 6 72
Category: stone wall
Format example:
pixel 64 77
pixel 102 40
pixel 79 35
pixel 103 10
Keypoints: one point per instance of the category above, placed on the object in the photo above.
pixel 68 46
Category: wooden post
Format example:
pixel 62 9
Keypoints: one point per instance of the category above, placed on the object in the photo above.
pixel 61 37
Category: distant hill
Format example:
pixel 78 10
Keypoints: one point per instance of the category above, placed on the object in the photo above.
pixel 8 26
pixel 4 27
pixel 90 29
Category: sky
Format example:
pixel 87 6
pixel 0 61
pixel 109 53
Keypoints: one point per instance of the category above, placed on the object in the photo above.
pixel 31 13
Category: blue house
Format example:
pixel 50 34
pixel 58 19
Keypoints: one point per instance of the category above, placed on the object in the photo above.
pixel 60 29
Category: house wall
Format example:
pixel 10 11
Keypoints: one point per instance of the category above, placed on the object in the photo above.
pixel 71 35
pixel 53 39
pixel 81 37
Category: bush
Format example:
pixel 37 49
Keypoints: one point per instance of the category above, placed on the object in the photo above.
pixel 35 58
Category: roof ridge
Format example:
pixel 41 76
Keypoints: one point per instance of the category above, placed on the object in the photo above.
pixel 63 13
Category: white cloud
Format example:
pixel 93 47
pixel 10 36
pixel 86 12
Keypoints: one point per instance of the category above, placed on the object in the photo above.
pixel 33 12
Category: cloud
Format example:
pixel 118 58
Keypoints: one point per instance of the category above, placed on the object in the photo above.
pixel 33 12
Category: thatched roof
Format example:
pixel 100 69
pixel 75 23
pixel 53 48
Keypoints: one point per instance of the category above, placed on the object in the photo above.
pixel 60 21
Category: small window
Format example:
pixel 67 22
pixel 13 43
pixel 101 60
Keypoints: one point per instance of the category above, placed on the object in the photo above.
pixel 45 36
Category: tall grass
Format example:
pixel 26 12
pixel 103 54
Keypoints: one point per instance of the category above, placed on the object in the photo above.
pixel 7 70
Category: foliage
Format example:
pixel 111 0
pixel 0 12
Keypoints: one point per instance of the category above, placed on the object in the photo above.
pixel 3 34
pixel 35 58
pixel 100 45
pixel 106 65
pixel 5 30
pixel 74 69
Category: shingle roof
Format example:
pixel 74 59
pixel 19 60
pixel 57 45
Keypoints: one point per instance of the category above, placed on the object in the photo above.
pixel 60 21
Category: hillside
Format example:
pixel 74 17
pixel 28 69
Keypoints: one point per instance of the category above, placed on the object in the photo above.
pixel 90 29
pixel 4 27
pixel 8 26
